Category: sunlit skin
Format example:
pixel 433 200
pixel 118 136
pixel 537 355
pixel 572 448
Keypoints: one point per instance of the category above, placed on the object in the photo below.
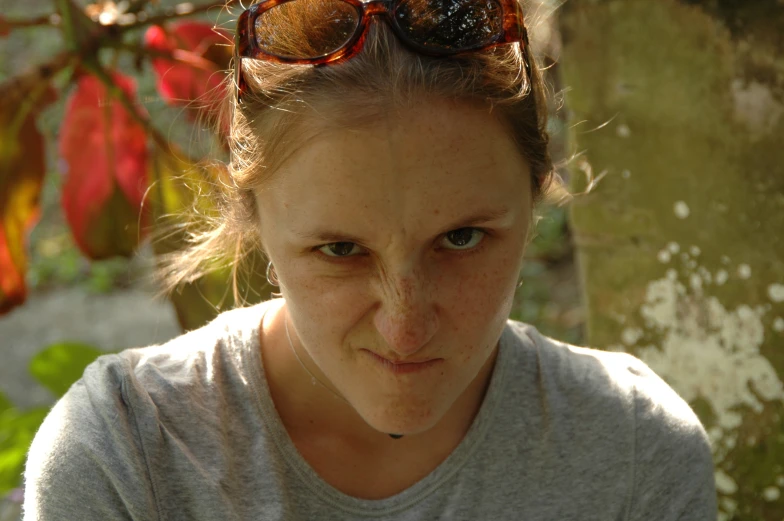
pixel 403 238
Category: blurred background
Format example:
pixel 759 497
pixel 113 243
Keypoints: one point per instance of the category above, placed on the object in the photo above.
pixel 666 122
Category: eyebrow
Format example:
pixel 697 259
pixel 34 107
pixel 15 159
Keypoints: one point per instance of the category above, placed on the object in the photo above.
pixel 328 235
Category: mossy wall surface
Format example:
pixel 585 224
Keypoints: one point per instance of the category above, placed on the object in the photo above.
pixel 681 243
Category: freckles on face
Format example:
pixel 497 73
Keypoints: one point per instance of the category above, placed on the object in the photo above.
pixel 403 238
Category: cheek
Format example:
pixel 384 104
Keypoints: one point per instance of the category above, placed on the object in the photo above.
pixel 473 291
pixel 476 300
pixel 327 306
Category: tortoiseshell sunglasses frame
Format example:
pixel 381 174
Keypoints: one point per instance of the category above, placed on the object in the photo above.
pixel 245 45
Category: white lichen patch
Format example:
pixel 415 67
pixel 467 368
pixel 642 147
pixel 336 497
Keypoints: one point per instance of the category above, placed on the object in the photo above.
pixel 674 247
pixel 721 277
pixel 771 493
pixel 631 335
pixel 756 106
pixel 695 281
pixel 695 251
pixel 709 351
pixel 728 508
pixel 724 483
pixel 778 324
pixel 721 442
pixel 618 317
pixel 715 435
pixel 664 256
pixel 623 130
pixel 744 271
pixel 780 481
pixel 776 292
pixel 626 174
pixel 681 210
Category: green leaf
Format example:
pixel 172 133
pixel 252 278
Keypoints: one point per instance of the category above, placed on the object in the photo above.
pixel 5 403
pixel 17 430
pixel 60 365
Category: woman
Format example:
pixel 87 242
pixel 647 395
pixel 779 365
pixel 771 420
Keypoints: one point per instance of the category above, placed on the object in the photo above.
pixel 387 157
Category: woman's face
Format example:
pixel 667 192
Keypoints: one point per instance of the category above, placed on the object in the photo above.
pixel 400 241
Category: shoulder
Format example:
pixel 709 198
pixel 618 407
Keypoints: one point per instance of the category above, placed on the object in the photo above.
pixel 570 369
pixel 171 384
pixel 187 364
pixel 617 395
pixel 608 376
pixel 86 460
pixel 228 332
pixel 96 443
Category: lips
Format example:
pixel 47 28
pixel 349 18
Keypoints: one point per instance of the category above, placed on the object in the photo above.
pixel 404 366
pixel 403 362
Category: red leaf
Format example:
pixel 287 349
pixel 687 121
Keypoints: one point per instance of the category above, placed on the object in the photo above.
pixel 104 156
pixel 22 171
pixel 199 55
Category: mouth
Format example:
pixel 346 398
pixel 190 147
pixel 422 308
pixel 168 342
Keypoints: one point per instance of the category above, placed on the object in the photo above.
pixel 404 366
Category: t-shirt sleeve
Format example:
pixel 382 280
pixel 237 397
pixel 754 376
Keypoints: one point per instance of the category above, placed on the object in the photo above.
pixel 674 473
pixel 86 461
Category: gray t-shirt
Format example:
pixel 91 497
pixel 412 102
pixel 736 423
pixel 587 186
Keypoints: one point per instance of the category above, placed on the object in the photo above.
pixel 188 431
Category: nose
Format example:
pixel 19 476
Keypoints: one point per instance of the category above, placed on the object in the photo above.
pixel 407 318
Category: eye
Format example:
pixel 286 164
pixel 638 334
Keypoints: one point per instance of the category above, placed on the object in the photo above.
pixel 340 249
pixel 462 239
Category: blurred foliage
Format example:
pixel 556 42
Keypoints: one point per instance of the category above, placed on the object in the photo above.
pixel 549 297
pixel 59 78
pixel 56 261
pixel 176 60
pixel 56 367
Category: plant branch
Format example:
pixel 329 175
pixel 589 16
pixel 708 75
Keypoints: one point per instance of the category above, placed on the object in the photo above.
pixel 52 20
pixel 125 22
pixel 176 55
pixel 40 73
pixel 180 10
pixel 120 95
pixel 34 98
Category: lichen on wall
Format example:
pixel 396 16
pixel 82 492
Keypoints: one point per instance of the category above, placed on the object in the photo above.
pixel 680 245
pixel 709 352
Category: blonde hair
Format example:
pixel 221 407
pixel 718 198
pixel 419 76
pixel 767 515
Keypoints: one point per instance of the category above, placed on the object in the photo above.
pixel 385 75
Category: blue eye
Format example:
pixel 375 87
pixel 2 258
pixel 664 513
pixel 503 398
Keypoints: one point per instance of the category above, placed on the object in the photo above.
pixel 340 249
pixel 462 239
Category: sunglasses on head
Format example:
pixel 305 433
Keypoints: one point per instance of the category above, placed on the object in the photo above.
pixel 321 32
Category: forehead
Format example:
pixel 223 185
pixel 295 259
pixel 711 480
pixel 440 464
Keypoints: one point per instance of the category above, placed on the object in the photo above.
pixel 430 157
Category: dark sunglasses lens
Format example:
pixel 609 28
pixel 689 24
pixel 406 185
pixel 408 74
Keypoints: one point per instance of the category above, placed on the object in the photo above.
pixel 450 25
pixel 304 29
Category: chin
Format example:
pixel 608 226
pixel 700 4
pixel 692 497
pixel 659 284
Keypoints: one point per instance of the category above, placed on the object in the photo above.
pixel 403 418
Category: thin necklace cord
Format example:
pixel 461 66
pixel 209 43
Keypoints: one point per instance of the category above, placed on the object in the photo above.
pixel 312 376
